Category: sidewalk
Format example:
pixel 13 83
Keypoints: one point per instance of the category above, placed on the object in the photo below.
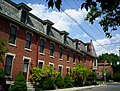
pixel 77 88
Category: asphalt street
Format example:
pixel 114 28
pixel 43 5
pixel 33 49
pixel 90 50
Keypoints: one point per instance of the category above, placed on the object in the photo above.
pixel 109 87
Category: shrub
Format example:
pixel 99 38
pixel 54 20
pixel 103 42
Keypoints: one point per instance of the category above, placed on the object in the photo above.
pixel 46 83
pixel 78 81
pixel 68 82
pixel 2 79
pixel 59 81
pixel 91 77
pixel 116 77
pixel 19 83
pixel 87 83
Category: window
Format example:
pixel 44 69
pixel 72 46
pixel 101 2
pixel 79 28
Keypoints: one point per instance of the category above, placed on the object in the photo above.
pixel 8 65
pixel 79 58
pixel 23 16
pixel 26 63
pixel 51 49
pixel 74 57
pixel 61 51
pixel 42 44
pixel 28 40
pixel 26 67
pixel 40 64
pixel 68 70
pixel 77 45
pixel 51 64
pixel 94 62
pixel 48 30
pixel 67 53
pixel 60 69
pixel 65 39
pixel 12 36
pixel 84 59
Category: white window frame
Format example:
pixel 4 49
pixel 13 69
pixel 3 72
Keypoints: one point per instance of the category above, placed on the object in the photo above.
pixel 42 62
pixel 68 68
pixel 26 41
pixel 51 63
pixel 62 68
pixel 28 58
pixel 11 54
pixel 11 24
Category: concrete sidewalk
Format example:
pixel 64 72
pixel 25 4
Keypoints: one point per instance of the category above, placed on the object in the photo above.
pixel 78 88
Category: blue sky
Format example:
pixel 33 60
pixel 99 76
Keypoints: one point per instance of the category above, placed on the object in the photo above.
pixel 63 22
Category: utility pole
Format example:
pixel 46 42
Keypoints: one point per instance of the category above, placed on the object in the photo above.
pixel 104 71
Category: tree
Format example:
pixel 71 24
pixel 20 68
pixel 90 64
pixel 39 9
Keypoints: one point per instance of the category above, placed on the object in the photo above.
pixel 109 58
pixel 3 50
pixel 43 76
pixel 107 10
pixel 2 79
pixel 68 82
pixel 19 83
pixel 46 71
pixel 79 74
pixel 59 81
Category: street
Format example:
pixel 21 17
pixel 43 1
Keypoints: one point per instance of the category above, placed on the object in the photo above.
pixel 109 87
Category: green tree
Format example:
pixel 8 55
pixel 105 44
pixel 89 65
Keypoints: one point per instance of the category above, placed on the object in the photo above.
pixel 2 79
pixel 79 74
pixel 68 82
pixel 109 58
pixel 41 75
pixel 59 82
pixel 46 71
pixel 19 83
pixel 3 49
pixel 107 10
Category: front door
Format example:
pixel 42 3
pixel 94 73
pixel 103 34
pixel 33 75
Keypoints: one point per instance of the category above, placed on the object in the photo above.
pixel 25 69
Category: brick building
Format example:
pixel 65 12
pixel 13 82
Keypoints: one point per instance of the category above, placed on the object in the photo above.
pixel 103 66
pixel 35 42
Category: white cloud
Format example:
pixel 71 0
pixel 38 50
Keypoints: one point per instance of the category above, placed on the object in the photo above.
pixel 79 36
pixel 60 19
pixel 107 48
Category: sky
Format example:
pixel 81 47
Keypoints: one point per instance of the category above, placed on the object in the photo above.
pixel 71 19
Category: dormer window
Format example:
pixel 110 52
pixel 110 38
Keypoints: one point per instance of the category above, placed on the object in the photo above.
pixel 77 45
pixel 65 39
pixel 23 16
pixel 48 30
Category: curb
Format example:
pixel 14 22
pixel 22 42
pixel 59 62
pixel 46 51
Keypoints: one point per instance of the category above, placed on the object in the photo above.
pixel 77 88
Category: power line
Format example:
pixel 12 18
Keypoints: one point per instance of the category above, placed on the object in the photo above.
pixel 84 13
pixel 83 29
pixel 110 43
pixel 85 22
pixel 80 27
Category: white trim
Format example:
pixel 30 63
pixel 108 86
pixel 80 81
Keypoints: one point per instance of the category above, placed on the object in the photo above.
pixel 24 57
pixel 62 68
pixel 28 58
pixel 29 32
pixel 11 44
pixel 41 61
pixel 11 54
pixel 51 42
pixel 51 63
pixel 68 68
pixel 14 45
pixel 28 49
pixel 43 38
pixel 60 46
pixel 60 65
pixel 11 24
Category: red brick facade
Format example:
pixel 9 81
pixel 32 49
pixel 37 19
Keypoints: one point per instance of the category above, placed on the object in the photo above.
pixel 33 54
